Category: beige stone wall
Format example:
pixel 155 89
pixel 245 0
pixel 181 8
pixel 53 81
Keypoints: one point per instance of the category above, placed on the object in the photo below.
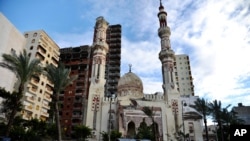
pixel 11 40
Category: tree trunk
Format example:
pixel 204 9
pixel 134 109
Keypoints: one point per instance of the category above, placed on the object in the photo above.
pixel 221 130
pixel 10 122
pixel 154 130
pixel 14 111
pixel 59 137
pixel 205 122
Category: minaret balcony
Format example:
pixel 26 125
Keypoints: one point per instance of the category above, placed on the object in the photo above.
pixel 101 45
pixel 164 31
pixel 166 53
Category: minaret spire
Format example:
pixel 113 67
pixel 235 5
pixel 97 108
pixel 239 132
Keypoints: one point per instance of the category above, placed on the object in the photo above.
pixel 160 4
pixel 162 15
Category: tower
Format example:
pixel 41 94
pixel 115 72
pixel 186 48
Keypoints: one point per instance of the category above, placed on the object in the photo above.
pixel 97 79
pixel 166 55
pixel 171 95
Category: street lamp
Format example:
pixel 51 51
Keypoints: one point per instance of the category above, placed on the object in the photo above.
pixel 183 103
pixel 110 96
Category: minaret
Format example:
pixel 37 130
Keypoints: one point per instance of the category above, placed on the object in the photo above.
pixel 97 80
pixel 166 55
pixel 171 95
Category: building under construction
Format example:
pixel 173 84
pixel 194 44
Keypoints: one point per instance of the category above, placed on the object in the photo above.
pixel 74 98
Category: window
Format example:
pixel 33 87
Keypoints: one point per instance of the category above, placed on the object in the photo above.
pixel 39 99
pixel 13 51
pixel 33 41
pixel 26 35
pixel 35 34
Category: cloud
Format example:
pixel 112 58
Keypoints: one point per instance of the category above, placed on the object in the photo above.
pixel 219 49
pixel 215 34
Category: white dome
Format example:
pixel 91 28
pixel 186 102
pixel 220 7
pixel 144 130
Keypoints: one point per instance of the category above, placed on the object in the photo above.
pixel 130 85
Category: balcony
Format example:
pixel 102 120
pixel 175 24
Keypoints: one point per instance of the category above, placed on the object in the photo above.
pixel 77 116
pixel 79 87
pixel 44 114
pixel 27 116
pixel 28 107
pixel 39 56
pixel 47 97
pixel 55 62
pixel 35 81
pixel 49 89
pixel 33 89
pixel 41 50
pixel 50 83
pixel 30 99
pixel 77 107
pixel 80 94
pixel 46 106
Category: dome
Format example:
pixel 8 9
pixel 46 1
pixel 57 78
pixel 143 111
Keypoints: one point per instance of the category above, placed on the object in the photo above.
pixel 130 85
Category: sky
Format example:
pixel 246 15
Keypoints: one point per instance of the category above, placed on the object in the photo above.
pixel 215 34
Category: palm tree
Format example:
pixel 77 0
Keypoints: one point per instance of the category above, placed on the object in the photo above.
pixel 217 114
pixel 201 106
pixel 24 68
pixel 60 77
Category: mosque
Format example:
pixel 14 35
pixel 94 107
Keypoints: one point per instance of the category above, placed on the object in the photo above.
pixel 124 112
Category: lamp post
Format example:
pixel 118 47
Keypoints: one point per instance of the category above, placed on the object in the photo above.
pixel 183 103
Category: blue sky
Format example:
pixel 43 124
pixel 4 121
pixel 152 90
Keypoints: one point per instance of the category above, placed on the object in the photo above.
pixel 215 34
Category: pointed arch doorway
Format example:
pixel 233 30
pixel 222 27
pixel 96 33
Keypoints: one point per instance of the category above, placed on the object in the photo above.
pixel 131 130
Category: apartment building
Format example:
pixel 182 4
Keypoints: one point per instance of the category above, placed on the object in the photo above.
pixel 73 100
pixel 39 90
pixel 113 69
pixel 243 113
pixel 183 75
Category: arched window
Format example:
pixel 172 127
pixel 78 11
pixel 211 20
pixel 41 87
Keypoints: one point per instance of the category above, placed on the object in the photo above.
pixel 31 47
